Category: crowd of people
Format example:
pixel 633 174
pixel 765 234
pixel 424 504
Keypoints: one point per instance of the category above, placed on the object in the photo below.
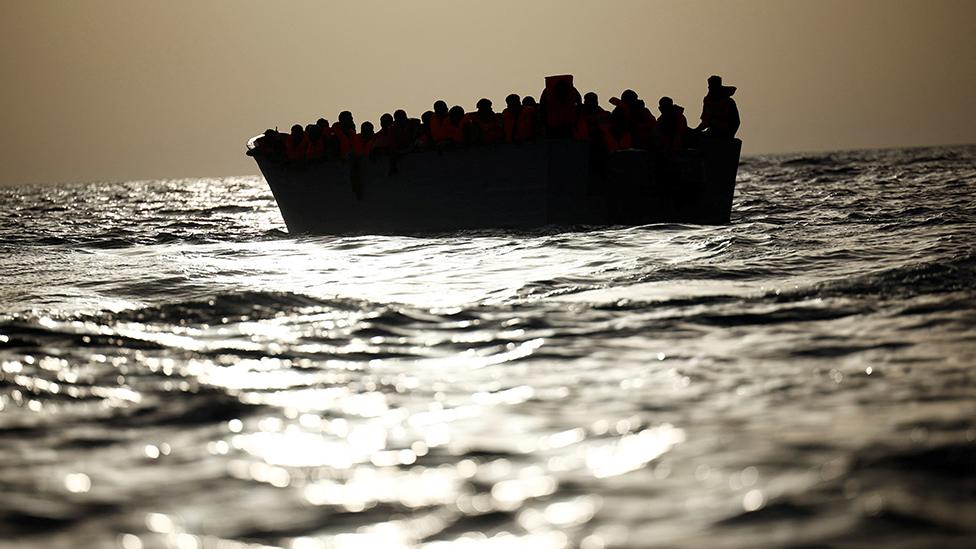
pixel 561 112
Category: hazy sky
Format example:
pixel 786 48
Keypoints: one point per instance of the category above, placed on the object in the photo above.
pixel 138 89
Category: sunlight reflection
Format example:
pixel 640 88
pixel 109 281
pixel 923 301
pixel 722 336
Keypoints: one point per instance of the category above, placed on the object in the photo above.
pixel 631 452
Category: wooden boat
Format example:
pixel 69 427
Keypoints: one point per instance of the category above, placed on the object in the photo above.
pixel 558 182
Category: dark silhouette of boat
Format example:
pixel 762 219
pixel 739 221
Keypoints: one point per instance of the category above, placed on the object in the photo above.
pixel 532 184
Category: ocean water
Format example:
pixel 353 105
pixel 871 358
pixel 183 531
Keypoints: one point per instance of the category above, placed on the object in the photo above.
pixel 177 371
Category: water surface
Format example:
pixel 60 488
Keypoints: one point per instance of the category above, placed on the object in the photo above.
pixel 177 371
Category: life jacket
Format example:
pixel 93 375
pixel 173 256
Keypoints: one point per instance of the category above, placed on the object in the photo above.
pixel 295 149
pixel 589 126
pixel 457 130
pixel 344 139
pixel 361 145
pixel 440 128
pixel 518 126
pixel 315 149
pixel 719 113
pixel 671 129
pixel 561 112
pixel 490 127
pixel 644 123
pixel 615 143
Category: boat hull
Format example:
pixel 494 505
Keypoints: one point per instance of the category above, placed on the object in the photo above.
pixel 545 182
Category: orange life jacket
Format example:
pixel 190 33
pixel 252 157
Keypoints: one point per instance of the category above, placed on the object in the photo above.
pixel 345 140
pixel 362 146
pixel 518 126
pixel 491 127
pixel 295 149
pixel 316 149
pixel 671 129
pixel 615 143
pixel 440 128
pixel 561 113
pixel 717 112
pixel 644 124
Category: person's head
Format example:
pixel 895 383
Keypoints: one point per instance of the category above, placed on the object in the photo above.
pixel 345 118
pixel 714 82
pixel 270 133
pixel 386 121
pixel 440 108
pixel 484 105
pixel 591 99
pixel 366 128
pixel 400 116
pixel 528 101
pixel 322 123
pixel 296 130
pixel 513 101
pixel 456 113
pixel 425 118
pixel 629 96
pixel 665 104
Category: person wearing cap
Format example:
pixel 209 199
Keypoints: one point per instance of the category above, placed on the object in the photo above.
pixel 720 116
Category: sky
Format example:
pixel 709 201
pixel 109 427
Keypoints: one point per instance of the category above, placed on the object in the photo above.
pixel 114 90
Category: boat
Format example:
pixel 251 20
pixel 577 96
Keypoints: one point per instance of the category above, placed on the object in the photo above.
pixel 545 182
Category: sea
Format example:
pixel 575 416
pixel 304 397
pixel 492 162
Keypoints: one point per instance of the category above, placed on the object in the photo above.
pixel 177 371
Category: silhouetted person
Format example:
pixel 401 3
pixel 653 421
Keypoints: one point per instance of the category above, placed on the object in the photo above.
pixel 385 140
pixel 671 126
pixel 591 118
pixel 487 125
pixel 455 121
pixel 440 130
pixel 424 138
pixel 720 115
pixel 364 141
pixel 315 150
pixel 558 104
pixel 344 130
pixel 638 117
pixel 269 145
pixel 617 134
pixel 404 130
pixel 295 144
pixel 518 121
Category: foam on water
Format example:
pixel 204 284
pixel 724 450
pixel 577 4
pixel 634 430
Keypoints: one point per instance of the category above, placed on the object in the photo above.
pixel 177 371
